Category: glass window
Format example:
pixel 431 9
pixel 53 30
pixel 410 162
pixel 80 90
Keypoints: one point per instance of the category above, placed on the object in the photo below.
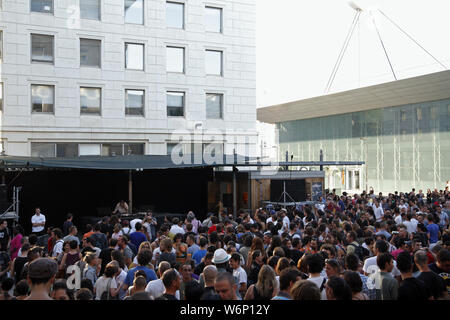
pixel 90 9
pixel 134 102
pixel 90 52
pixel 214 106
pixel 134 56
pixel 46 150
pixel 67 150
pixel 42 98
pixel 89 149
pixel 133 148
pixel 175 15
pixel 213 19
pixel 134 11
pixel 41 48
pixel 1 95
pixel 403 115
pixel 175 59
pixel 170 148
pixel 45 6
pixel 90 100
pixel 419 114
pixel 112 150
pixel 213 62
pixel 175 104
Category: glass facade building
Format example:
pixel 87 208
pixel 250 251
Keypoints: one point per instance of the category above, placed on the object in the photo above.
pixel 403 147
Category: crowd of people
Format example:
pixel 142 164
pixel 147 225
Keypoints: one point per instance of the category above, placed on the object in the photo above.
pixel 362 247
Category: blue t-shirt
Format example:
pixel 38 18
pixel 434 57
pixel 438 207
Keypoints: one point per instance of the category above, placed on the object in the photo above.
pixel 433 230
pixel 149 273
pixel 198 256
pixel 137 238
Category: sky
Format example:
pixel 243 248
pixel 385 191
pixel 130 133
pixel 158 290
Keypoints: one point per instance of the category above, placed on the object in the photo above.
pixel 298 43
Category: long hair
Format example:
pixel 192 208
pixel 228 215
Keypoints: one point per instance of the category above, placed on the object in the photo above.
pixel 266 281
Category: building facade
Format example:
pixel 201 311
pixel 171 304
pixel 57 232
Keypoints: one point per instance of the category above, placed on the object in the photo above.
pixel 401 130
pixel 118 77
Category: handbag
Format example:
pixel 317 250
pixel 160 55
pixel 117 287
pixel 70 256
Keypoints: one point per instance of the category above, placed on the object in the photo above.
pixel 106 295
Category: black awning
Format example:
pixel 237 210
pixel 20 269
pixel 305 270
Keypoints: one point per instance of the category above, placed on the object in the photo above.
pixel 130 162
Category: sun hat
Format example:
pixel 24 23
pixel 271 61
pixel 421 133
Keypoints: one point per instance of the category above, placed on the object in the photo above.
pixel 220 256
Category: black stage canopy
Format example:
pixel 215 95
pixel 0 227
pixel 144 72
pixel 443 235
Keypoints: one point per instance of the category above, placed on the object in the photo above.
pixel 130 162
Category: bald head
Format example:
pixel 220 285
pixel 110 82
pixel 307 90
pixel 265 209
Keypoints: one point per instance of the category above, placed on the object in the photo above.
pixel 210 273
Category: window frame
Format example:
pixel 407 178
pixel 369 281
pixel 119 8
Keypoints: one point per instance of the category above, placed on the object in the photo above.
pixel 101 101
pixel 221 18
pixel 183 27
pixel 2 95
pixel 143 103
pixel 184 104
pixel 221 62
pixel 184 59
pixel 1 45
pixel 99 12
pixel 100 53
pixel 54 98
pixel 53 48
pixel 52 12
pixel 143 55
pixel 222 100
pixel 134 23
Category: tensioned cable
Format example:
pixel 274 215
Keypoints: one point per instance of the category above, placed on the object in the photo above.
pixel 343 50
pixel 410 37
pixel 382 44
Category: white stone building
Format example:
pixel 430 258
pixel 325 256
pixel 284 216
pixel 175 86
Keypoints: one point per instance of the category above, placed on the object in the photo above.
pixel 111 77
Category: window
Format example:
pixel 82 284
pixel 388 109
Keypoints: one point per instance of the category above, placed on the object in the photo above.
pixel 90 53
pixel 134 56
pixel 134 11
pixel 41 48
pixel 175 104
pixel 46 150
pixel 42 98
pixel 434 112
pixel 1 95
pixel 214 106
pixel 90 9
pixel 120 149
pixel 403 115
pixel 175 59
pixel 45 6
pixel 90 100
pixel 170 148
pixel 89 149
pixel 67 150
pixel 213 19
pixel 419 114
pixel 175 15
pixel 213 62
pixel 134 102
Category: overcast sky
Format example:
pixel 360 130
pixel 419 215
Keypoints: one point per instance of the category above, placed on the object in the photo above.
pixel 298 43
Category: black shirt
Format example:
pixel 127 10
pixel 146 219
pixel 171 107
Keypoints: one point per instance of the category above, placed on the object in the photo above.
pixel 19 262
pixel 296 255
pixel 4 238
pixel 209 294
pixel 105 255
pixel 444 275
pixel 434 283
pixel 67 224
pixel 169 297
pixel 413 289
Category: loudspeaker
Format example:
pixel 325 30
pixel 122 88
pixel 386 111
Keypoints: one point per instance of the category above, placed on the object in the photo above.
pixel 295 188
pixel 227 199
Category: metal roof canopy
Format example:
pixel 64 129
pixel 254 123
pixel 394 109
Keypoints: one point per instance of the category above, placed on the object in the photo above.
pixel 426 88
pixel 149 162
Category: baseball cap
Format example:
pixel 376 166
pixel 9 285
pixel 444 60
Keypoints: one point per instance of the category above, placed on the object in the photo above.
pixel 42 268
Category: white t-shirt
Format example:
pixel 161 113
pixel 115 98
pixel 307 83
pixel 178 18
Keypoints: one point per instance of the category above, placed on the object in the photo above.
pixel 176 229
pixel 398 219
pixel 318 281
pixel 410 226
pixel 37 219
pixel 58 248
pixel 101 285
pixel 378 212
pixel 156 289
pixel 121 279
pixel 240 274
pixel 370 267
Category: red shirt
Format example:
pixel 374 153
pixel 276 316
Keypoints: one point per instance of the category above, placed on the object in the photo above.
pixel 212 229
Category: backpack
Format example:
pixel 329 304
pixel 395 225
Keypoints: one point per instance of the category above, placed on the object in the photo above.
pixel 106 295
pixel 98 240
pixel 360 251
